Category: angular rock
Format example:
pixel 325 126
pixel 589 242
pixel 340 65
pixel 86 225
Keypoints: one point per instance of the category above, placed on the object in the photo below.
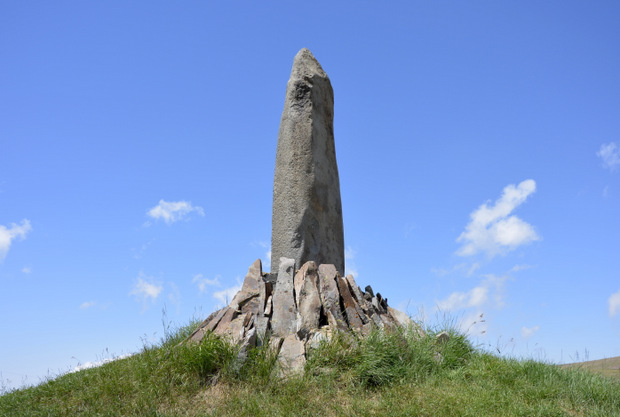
pixel 292 356
pixel 308 299
pixel 318 336
pixel 235 330
pixel 268 307
pixel 402 319
pixel 262 318
pixel 284 316
pixel 229 315
pixel 247 300
pixel 249 341
pixel 442 338
pixel 355 290
pixel 275 342
pixel 330 297
pixel 208 325
pixel 353 311
pixel 307 211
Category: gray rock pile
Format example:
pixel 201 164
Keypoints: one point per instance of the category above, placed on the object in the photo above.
pixel 294 310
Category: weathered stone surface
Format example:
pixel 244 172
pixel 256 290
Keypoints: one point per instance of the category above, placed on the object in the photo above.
pixel 228 316
pixel 402 319
pixel 330 297
pixel 262 318
pixel 318 336
pixel 303 310
pixel 307 212
pixel 355 290
pixel 292 357
pixel 353 314
pixel 284 316
pixel 308 299
pixel 235 330
pixel 442 338
pixel 207 325
pixel 268 306
pixel 247 300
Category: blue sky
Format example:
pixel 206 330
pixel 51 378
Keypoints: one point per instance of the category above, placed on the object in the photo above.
pixel 478 146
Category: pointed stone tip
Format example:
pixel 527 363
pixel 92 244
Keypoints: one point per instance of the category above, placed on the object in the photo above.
pixel 305 64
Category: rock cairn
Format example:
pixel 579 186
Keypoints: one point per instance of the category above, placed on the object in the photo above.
pixel 297 309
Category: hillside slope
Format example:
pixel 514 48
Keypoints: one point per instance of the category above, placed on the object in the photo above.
pixel 396 374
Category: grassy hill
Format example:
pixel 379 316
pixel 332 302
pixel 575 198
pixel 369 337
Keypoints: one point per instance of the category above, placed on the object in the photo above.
pixel 609 367
pixel 385 374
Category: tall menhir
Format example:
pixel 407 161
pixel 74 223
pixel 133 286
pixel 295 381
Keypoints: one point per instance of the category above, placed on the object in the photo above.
pixel 307 212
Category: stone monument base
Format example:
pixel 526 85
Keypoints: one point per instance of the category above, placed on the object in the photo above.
pixel 296 310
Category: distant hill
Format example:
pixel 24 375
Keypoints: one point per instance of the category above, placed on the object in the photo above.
pixel 607 367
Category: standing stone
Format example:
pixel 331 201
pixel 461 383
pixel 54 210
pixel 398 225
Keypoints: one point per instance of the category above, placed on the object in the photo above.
pixel 330 297
pixel 307 212
pixel 307 298
pixel 284 315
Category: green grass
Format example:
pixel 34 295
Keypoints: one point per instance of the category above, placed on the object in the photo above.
pixel 608 367
pixel 385 374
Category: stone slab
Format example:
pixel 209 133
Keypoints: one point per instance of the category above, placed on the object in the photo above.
pixel 284 315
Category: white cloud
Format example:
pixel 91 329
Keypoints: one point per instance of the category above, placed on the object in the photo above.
pixel 518 268
pixel 88 365
pixel 7 234
pixel 146 289
pixel 26 270
pixel 87 304
pixel 527 332
pixel 491 286
pixel 457 300
pixel 172 211
pixel 610 154
pixel 203 282
pixel 226 295
pixel 493 230
pixel 614 304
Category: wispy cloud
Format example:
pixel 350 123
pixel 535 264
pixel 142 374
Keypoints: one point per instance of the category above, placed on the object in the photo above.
pixel 489 289
pixel 493 230
pixel 87 304
pixel 461 267
pixel 146 289
pixel 175 296
pixel 26 270
pixel 226 295
pixel 518 268
pixel 173 211
pixel 95 364
pixel 203 282
pixel 349 257
pixel 8 234
pixel 527 332
pixel 614 304
pixel 458 300
pixel 610 154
